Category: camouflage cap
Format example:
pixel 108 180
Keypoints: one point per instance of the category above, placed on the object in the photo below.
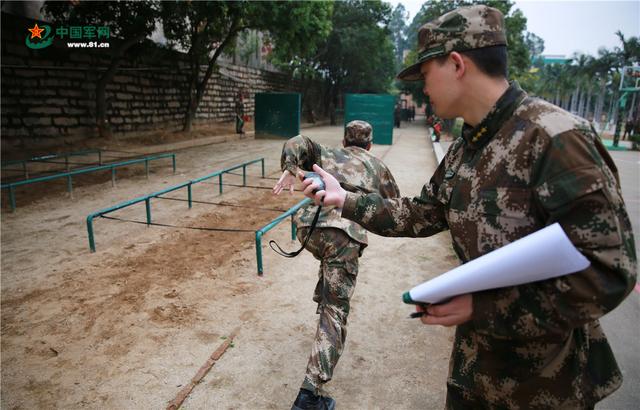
pixel 465 28
pixel 358 132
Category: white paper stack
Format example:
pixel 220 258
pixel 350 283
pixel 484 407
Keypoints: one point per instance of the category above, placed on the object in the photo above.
pixel 544 254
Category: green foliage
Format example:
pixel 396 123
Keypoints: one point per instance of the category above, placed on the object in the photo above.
pixel 125 19
pixel 298 48
pixel 397 30
pixel 534 44
pixel 206 29
pixel 359 53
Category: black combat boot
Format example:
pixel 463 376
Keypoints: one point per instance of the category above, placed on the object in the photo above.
pixel 307 400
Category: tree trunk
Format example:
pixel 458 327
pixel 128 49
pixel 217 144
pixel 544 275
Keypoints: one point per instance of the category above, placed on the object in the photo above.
pixel 193 84
pixel 613 108
pixel 201 86
pixel 102 123
pixel 600 101
pixel 587 106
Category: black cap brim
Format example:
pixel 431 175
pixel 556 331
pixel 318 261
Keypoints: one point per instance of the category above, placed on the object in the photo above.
pixel 411 73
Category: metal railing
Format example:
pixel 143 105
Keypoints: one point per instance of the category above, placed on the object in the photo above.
pixel 48 158
pixel 11 186
pixel 147 198
pixel 260 232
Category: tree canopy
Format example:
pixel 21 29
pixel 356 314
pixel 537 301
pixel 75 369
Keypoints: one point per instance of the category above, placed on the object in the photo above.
pixel 359 53
pixel 207 29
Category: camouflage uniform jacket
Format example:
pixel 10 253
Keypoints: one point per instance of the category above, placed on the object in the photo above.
pixel 527 165
pixel 353 167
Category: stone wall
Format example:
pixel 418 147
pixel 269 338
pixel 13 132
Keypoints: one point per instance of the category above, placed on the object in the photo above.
pixel 48 95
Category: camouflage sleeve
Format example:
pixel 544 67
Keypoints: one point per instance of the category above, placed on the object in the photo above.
pixel 300 152
pixel 581 193
pixel 388 186
pixel 414 217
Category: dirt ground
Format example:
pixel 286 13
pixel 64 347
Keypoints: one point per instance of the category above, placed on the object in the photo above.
pixel 129 325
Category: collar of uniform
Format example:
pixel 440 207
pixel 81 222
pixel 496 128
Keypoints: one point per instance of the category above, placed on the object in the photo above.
pixel 478 136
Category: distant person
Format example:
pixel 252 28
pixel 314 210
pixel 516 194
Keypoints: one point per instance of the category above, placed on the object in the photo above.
pixel 397 116
pixel 437 129
pixel 337 243
pixel 629 128
pixel 239 110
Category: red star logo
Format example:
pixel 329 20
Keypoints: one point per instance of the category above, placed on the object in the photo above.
pixel 36 31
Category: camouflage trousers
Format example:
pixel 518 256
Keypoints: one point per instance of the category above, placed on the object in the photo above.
pixel 338 255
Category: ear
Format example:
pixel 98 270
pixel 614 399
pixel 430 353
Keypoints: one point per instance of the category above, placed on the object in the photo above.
pixel 459 63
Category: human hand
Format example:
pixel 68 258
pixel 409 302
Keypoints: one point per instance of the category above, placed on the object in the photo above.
pixel 452 313
pixel 333 194
pixel 286 181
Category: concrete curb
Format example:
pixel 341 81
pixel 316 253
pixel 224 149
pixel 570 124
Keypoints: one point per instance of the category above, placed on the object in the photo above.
pixel 437 148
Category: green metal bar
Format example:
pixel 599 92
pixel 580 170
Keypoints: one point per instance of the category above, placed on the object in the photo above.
pixel 124 205
pixel 147 198
pixel 189 194
pixel 260 232
pixel 244 175
pixel 12 198
pixel 223 171
pixel 147 205
pixel 92 243
pixel 262 161
pixel 99 157
pixel 51 156
pixel 259 251
pixel 69 185
pixel 86 170
pixel 113 176
pixel 293 229
pixel 220 183
pixel 173 161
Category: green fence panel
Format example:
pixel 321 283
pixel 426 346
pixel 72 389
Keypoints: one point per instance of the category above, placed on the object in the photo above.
pixel 277 115
pixel 376 109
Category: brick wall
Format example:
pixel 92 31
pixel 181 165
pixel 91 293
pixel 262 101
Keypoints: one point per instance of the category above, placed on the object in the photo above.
pixel 48 95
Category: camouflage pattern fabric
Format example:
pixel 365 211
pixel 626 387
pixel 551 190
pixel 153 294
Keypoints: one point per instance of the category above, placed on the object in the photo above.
pixel 527 165
pixel 353 166
pixel 336 242
pixel 358 132
pixel 465 28
pixel 338 255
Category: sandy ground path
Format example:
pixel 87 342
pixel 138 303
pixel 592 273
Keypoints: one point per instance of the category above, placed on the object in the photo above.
pixel 129 325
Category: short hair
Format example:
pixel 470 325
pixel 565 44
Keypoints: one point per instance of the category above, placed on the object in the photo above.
pixel 361 144
pixel 492 60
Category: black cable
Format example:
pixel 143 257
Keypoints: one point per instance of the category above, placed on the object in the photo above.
pixel 180 227
pixel 245 186
pixel 293 254
pixel 221 204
